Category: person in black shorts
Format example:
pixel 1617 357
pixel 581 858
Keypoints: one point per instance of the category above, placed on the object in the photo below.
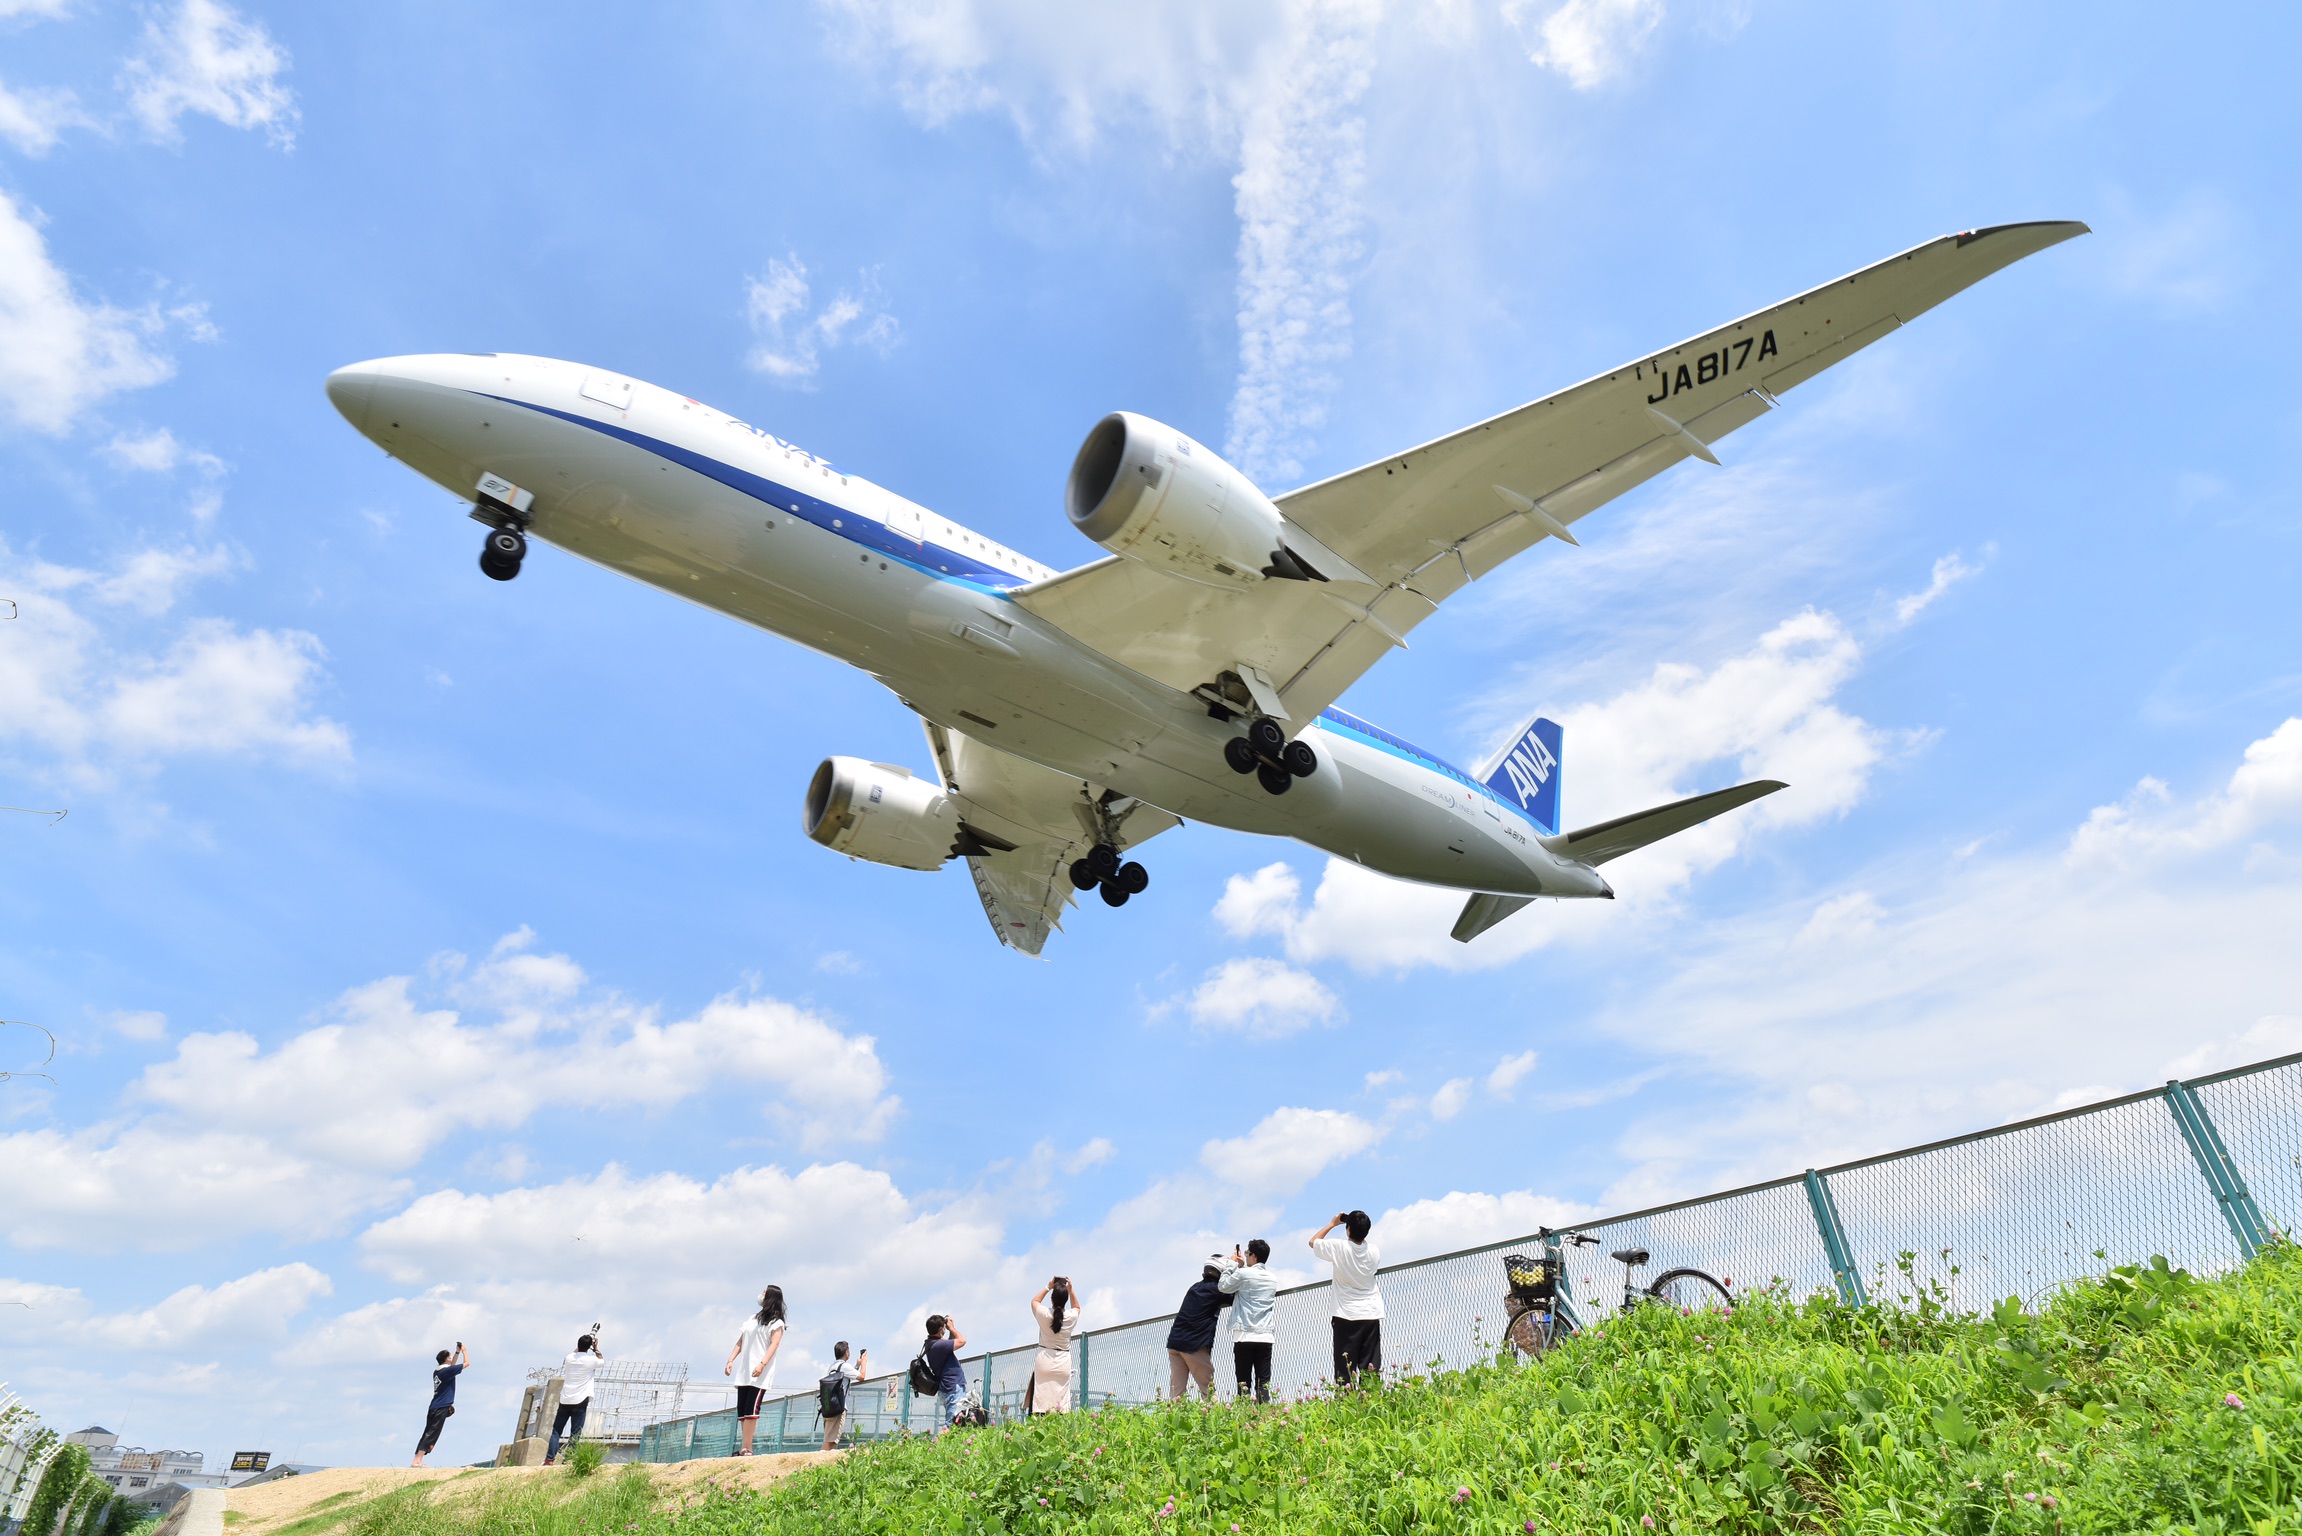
pixel 443 1400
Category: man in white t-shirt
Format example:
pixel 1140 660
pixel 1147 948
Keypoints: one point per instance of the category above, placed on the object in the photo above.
pixel 1358 1320
pixel 577 1373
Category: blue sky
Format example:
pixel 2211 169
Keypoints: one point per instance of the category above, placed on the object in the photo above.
pixel 430 958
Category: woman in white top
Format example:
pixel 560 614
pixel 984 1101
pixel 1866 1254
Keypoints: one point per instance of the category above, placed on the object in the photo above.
pixel 755 1349
pixel 1056 1311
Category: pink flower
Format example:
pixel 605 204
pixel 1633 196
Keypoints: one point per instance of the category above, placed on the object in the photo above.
pixel 2232 1400
pixel 1648 1521
pixel 1530 1525
pixel 1462 1495
pixel 2030 1498
pixel 2047 1500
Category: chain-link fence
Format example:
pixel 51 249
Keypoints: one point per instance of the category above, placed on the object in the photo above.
pixel 2202 1171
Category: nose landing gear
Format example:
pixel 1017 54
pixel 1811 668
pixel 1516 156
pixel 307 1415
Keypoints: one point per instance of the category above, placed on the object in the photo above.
pixel 1266 753
pixel 1102 871
pixel 501 555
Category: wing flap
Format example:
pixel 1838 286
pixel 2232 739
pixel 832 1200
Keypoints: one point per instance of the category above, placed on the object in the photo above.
pixel 1046 818
pixel 1628 834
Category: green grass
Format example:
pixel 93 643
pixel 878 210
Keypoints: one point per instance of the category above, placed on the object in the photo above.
pixel 2143 1401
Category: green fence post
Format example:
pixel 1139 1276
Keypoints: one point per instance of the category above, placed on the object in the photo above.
pixel 1834 1241
pixel 1079 1347
pixel 903 1412
pixel 2214 1161
pixel 783 1424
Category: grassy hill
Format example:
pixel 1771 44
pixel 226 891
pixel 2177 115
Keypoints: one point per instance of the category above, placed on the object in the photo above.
pixel 2142 1401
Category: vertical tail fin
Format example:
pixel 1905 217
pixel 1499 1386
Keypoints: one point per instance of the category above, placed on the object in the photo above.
pixel 1528 775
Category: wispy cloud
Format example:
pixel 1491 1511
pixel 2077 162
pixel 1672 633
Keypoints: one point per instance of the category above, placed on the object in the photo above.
pixel 1949 571
pixel 790 335
pixel 1589 41
pixel 61 354
pixel 1302 166
pixel 206 60
pixel 34 120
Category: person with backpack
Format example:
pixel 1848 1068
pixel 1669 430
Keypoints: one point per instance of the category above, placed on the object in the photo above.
pixel 831 1391
pixel 1358 1320
pixel 1056 1311
pixel 443 1400
pixel 1248 1281
pixel 936 1371
pixel 1191 1338
pixel 756 1347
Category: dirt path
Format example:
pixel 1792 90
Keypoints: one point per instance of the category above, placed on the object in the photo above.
pixel 270 1506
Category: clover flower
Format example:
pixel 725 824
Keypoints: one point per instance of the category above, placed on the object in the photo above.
pixel 2232 1400
pixel 1648 1521
pixel 1462 1495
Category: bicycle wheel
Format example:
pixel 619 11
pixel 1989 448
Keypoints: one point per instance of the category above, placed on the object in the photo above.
pixel 1690 1290
pixel 1533 1331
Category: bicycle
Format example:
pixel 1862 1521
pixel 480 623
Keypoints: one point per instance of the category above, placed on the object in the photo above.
pixel 1540 1302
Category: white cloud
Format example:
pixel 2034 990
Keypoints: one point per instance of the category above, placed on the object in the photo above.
pixel 35 9
pixel 1466 1220
pixel 253 1304
pixel 1302 164
pixel 1509 1073
pixel 97 702
pixel 1093 1155
pixel 207 60
pixel 1448 1102
pixel 385 1080
pixel 141 1026
pixel 2266 788
pixel 1588 41
pixel 34 120
pixel 158 452
pixel 789 342
pixel 1954 989
pixel 1262 997
pixel 2196 256
pixel 1288 1148
pixel 1768 712
pixel 1948 572
pixel 58 355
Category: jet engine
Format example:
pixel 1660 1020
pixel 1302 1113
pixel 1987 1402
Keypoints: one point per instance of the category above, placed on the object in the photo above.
pixel 1148 492
pixel 879 812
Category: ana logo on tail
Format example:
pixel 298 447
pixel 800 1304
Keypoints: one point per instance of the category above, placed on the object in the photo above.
pixel 1529 774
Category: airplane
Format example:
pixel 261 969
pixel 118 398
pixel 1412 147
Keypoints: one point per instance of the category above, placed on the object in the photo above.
pixel 1192 672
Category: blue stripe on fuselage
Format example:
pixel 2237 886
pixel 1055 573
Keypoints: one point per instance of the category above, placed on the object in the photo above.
pixel 870 532
pixel 1406 751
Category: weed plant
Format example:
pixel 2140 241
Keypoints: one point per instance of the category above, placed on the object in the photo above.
pixel 2141 1401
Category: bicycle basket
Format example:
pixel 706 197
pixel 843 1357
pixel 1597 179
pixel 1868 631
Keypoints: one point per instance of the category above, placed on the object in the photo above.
pixel 1531 1279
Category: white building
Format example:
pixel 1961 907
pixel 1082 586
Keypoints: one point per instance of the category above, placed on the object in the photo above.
pixel 131 1470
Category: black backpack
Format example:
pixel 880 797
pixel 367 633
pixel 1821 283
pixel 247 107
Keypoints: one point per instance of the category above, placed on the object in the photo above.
pixel 925 1379
pixel 831 1392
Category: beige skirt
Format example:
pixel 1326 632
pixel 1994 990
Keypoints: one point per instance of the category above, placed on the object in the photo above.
pixel 1051 1382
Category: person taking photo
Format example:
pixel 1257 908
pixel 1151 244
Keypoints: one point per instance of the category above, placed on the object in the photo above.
pixel 577 1373
pixel 1358 1320
pixel 1247 1279
pixel 1056 1310
pixel 443 1400
pixel 1191 1337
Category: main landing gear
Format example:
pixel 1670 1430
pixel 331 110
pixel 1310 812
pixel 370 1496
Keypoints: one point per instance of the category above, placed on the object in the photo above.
pixel 1101 870
pixel 501 555
pixel 1266 753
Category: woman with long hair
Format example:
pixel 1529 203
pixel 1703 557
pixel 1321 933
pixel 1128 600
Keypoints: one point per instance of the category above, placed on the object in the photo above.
pixel 1056 1310
pixel 755 1349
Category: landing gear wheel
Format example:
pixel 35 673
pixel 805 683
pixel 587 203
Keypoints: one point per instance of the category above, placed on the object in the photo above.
pixel 1132 878
pixel 1299 759
pixel 1240 755
pixel 1102 861
pixel 1276 781
pixel 1081 876
pixel 501 555
pixel 1264 735
pixel 1114 894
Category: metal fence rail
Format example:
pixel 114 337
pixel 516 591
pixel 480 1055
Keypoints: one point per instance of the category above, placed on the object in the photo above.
pixel 2203 1171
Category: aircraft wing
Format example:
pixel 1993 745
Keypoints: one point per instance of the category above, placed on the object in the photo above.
pixel 1044 820
pixel 1628 834
pixel 1423 523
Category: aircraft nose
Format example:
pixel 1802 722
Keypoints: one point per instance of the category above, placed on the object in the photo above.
pixel 351 390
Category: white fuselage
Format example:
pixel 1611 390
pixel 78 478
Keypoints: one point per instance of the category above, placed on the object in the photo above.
pixel 689 499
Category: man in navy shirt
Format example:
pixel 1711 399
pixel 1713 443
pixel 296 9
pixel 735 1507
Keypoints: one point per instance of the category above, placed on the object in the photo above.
pixel 1191 1341
pixel 944 1342
pixel 443 1401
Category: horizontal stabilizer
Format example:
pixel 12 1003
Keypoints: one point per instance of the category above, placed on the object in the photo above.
pixel 1483 911
pixel 1626 834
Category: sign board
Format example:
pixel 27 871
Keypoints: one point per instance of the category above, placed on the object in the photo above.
pixel 251 1461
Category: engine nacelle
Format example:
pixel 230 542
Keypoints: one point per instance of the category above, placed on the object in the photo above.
pixel 878 812
pixel 1148 492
